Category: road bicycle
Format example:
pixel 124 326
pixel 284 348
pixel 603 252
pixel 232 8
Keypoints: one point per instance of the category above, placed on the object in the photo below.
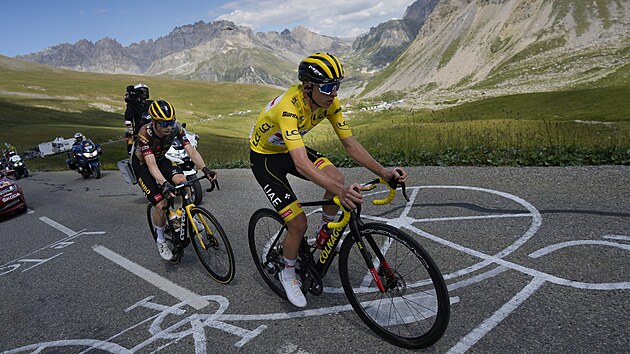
pixel 198 226
pixel 390 280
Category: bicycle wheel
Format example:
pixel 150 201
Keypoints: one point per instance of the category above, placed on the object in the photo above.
pixel 414 309
pixel 211 245
pixel 266 233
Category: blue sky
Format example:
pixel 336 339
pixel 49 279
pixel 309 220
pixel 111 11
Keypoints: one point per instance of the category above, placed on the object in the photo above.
pixel 31 26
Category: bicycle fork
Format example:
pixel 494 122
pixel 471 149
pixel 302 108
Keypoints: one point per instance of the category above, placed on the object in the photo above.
pixel 194 227
pixel 367 257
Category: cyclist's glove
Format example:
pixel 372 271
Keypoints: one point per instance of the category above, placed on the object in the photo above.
pixel 212 177
pixel 209 174
pixel 167 189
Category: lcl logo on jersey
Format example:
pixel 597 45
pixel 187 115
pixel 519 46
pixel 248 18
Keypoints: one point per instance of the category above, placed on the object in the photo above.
pixel 342 125
pixel 291 133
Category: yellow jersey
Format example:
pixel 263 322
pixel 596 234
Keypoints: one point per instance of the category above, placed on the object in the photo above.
pixel 284 121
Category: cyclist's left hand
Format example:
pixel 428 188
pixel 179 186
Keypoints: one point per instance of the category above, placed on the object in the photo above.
pixel 398 174
pixel 210 175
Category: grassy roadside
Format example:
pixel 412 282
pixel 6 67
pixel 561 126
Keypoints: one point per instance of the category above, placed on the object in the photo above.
pixel 578 127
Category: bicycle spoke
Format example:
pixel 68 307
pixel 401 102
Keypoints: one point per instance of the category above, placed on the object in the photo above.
pixel 413 310
pixel 266 233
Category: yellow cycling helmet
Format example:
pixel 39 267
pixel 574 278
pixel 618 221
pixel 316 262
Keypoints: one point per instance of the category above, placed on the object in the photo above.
pixel 162 111
pixel 320 68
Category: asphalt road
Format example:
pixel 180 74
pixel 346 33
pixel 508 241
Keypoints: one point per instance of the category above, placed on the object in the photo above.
pixel 537 260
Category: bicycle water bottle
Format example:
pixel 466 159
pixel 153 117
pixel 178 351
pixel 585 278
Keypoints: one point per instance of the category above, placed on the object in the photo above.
pixel 175 217
pixel 322 237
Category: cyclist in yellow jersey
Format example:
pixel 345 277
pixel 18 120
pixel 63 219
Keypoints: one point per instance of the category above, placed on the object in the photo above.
pixel 277 149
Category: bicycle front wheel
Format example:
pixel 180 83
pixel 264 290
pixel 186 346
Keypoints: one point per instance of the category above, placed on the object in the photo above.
pixel 266 233
pixel 413 308
pixel 211 245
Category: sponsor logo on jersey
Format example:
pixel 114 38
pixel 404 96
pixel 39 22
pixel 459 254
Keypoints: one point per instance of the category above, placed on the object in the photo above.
pixel 265 127
pixel 342 125
pixel 289 114
pixel 291 134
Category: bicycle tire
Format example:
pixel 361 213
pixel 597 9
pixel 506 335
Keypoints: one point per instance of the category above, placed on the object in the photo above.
pixel 217 256
pixel 414 311
pixel 267 228
pixel 195 190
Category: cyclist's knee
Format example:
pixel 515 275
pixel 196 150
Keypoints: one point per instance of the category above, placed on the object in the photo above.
pixel 179 178
pixel 298 225
pixel 159 207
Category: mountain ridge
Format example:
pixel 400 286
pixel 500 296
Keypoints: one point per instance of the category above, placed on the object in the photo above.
pixel 439 50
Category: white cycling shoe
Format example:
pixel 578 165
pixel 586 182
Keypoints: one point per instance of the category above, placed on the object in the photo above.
pixel 165 250
pixel 293 291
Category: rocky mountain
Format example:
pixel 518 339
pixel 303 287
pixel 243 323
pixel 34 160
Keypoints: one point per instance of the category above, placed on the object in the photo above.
pixel 440 50
pixel 217 51
pixel 384 43
pixel 484 47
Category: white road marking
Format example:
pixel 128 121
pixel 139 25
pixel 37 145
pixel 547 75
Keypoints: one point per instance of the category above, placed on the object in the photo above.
pixel 168 286
pixel 58 226
pixel 489 323
pixel 617 237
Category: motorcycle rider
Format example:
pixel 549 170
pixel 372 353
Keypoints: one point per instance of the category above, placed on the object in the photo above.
pixel 137 98
pixel 75 149
pixel 8 152
pixel 156 174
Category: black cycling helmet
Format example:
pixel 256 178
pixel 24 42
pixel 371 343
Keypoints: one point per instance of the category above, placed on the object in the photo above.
pixel 320 68
pixel 162 111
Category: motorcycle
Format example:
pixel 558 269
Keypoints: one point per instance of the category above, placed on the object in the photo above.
pixel 178 154
pixel 15 162
pixel 86 160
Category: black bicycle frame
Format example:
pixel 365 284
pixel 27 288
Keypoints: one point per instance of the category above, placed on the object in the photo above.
pixel 328 254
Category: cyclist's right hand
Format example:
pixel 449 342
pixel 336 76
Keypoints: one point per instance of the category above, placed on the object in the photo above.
pixel 168 190
pixel 351 196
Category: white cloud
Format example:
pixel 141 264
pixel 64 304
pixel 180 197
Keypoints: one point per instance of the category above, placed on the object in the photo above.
pixel 347 18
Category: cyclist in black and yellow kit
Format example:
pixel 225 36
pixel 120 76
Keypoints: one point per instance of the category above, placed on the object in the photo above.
pixel 277 149
pixel 155 173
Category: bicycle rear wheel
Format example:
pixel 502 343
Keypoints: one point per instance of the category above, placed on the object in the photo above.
pixel 211 245
pixel 266 233
pixel 413 311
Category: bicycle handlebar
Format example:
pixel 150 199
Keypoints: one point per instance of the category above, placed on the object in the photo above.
pixel 392 185
pixel 338 225
pixel 189 183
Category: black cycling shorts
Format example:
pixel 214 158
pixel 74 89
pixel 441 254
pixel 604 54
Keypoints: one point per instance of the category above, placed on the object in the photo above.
pixel 271 170
pixel 149 185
